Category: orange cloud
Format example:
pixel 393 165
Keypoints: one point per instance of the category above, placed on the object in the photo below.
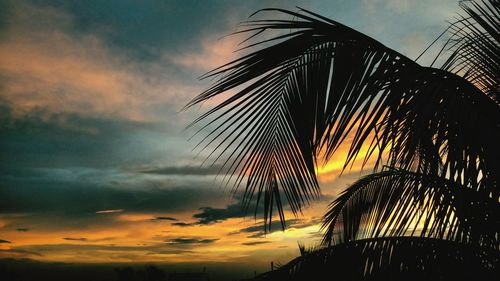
pixel 53 68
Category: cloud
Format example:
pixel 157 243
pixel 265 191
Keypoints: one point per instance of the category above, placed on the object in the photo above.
pixel 398 6
pixel 22 229
pixel 18 253
pixel 190 241
pixel 210 215
pixel 183 224
pixel 214 53
pixel 95 250
pixel 164 219
pixel 184 170
pixel 5 241
pixel 258 230
pixel 79 192
pixel 274 226
pixel 253 243
pixel 112 211
pixel 75 239
pixel 47 62
pixel 40 138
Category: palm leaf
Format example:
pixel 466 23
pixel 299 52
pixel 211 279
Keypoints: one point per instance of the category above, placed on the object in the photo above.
pixel 475 46
pixel 401 203
pixel 323 83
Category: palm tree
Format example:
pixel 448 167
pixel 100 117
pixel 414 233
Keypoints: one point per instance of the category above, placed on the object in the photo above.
pixel 431 207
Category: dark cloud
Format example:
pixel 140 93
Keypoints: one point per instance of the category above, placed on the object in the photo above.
pixel 184 170
pixel 176 251
pixel 164 219
pixel 274 226
pixel 210 215
pixel 4 241
pixel 255 243
pixel 22 229
pixel 52 203
pixel 77 194
pixel 43 139
pixel 183 224
pixel 258 230
pixel 190 241
pixel 75 239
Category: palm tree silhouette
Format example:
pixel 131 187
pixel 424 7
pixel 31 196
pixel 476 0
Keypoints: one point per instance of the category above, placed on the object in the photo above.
pixel 431 207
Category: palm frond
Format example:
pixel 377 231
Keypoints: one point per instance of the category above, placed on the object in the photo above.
pixel 320 83
pixel 392 258
pixel 475 46
pixel 304 250
pixel 402 203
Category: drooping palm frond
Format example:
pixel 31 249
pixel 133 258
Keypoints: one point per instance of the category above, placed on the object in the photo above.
pixel 392 258
pixel 402 203
pixel 475 46
pixel 322 84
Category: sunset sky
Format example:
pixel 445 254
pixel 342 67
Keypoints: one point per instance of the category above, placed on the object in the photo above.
pixel 96 164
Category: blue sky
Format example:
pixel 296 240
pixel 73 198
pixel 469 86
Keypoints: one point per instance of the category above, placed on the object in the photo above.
pixel 91 94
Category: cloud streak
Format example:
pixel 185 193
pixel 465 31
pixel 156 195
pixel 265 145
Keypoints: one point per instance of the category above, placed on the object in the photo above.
pixel 112 211
pixel 254 243
pixel 184 170
pixel 190 241
pixel 81 239
pixel 164 219
pixel 18 253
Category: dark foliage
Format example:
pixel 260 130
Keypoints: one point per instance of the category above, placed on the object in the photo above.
pixel 397 203
pixel 390 259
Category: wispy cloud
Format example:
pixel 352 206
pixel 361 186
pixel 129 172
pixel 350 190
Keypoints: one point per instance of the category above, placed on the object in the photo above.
pixel 215 52
pixel 190 240
pixel 111 211
pixel 253 243
pixel 164 219
pixel 183 224
pixel 184 170
pixel 18 253
pixel 258 230
pixel 82 239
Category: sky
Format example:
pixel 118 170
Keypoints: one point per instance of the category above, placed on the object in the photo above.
pixel 97 166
